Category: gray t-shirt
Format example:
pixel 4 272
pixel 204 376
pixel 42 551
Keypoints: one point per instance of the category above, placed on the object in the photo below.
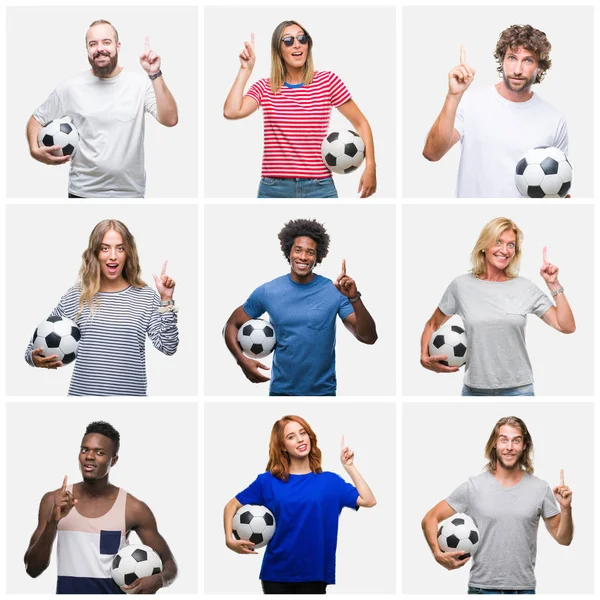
pixel 495 315
pixel 507 519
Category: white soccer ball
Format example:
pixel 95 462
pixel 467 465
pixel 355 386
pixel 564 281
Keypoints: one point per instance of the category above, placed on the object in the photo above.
pixel 133 562
pixel 544 172
pixel 450 340
pixel 459 532
pixel 254 523
pixel 58 335
pixel 343 151
pixel 60 132
pixel 257 338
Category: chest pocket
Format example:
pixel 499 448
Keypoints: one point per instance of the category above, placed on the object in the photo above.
pixel 317 318
pixel 109 541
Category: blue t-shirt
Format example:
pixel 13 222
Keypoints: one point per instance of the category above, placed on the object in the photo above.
pixel 303 315
pixel 306 510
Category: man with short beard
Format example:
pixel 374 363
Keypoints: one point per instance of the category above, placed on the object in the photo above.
pixel 107 105
pixel 496 125
pixel 505 502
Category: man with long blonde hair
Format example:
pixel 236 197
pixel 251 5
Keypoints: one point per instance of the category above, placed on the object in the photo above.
pixel 505 502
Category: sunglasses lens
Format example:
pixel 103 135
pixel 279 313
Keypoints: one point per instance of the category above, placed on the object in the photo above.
pixel 288 40
pixel 302 39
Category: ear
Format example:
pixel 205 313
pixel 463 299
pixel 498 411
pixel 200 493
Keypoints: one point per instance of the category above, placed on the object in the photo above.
pixel 114 460
pixel 118 45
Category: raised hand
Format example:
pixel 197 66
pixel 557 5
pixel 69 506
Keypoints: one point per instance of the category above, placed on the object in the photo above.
pixel 149 60
pixel 45 362
pixel 563 493
pixel 461 76
pixel 247 56
pixel 433 363
pixel 165 286
pixel 548 271
pixel 347 455
pixel 345 284
pixel 63 503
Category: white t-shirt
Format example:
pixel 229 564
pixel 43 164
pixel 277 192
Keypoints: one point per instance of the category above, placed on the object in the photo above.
pixel 495 133
pixel 109 114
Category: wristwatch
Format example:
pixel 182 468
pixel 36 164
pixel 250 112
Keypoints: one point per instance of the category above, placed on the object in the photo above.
pixel 357 297
pixel 167 302
pixel 560 290
pixel 155 75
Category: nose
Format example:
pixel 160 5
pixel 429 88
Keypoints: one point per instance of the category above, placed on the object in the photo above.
pixel 89 456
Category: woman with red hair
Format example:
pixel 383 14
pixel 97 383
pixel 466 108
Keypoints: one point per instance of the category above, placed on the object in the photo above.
pixel 306 502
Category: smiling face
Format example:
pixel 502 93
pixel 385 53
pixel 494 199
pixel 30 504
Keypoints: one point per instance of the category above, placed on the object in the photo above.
pixel 303 257
pixel 509 447
pixel 102 49
pixel 112 257
pixel 520 69
pixel 96 456
pixel 294 56
pixel 500 253
pixel 296 441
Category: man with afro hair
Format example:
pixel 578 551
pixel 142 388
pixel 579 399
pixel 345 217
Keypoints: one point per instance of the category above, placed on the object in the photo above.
pixel 302 307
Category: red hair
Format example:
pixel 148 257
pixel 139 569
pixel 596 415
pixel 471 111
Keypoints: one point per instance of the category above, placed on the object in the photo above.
pixel 279 460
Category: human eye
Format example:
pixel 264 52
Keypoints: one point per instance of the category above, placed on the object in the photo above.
pixel 511 245
pixel 82 450
pixel 121 248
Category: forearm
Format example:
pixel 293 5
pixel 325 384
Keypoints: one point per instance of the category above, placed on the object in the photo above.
pixel 169 572
pixel 430 526
pixel 233 102
pixel 364 130
pixel 228 514
pixel 164 332
pixel 366 330
pixel 37 557
pixel 364 491
pixel 33 129
pixel 166 107
pixel 564 314
pixel 564 533
pixel 428 331
pixel 230 336
pixel 439 140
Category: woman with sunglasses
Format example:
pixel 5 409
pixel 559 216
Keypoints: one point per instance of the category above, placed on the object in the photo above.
pixel 306 503
pixel 296 102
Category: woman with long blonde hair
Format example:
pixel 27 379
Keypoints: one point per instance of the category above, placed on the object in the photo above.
pixel 115 310
pixel 493 302
pixel 296 101
pixel 306 503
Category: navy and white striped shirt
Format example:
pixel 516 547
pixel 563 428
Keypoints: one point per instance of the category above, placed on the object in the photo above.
pixel 111 360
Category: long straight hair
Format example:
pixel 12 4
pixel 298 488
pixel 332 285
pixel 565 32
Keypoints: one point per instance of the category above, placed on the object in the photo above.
pixel 278 69
pixel 526 460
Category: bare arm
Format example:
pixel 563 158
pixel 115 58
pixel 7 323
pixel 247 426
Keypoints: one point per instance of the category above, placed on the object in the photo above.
pixel 430 524
pixel 560 317
pixel 42 154
pixel 433 362
pixel 561 526
pixel 238 546
pixel 166 107
pixel 361 324
pixel 249 366
pixel 238 106
pixel 37 556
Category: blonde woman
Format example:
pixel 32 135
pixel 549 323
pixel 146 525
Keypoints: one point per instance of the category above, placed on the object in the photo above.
pixel 296 102
pixel 114 310
pixel 493 302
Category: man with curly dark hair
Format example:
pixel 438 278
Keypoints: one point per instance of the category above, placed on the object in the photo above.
pixel 497 125
pixel 302 307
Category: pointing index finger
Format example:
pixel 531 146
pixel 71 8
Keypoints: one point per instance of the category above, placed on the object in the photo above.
pixel 147 44
pixel 545 254
pixel 343 441
pixel 344 267
pixel 252 40
pixel 463 54
pixel 164 268
pixel 562 477
pixel 64 485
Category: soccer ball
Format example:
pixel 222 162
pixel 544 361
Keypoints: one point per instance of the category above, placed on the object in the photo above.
pixel 459 532
pixel 257 338
pixel 254 523
pixel 343 151
pixel 450 340
pixel 60 132
pixel 544 172
pixel 133 562
pixel 58 335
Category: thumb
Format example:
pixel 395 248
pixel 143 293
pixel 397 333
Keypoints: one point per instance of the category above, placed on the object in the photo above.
pixel 262 366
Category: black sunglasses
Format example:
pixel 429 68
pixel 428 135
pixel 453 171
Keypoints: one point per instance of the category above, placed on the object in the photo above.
pixel 288 40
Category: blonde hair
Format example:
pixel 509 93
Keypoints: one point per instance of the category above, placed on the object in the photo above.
pixel 89 278
pixel 278 69
pixel 489 235
pixel 526 459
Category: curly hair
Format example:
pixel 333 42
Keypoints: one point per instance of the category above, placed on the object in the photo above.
pixel 279 460
pixel 526 460
pixel 524 36
pixel 107 430
pixel 304 228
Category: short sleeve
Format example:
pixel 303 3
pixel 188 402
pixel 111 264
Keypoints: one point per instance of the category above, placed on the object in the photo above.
pixel 257 90
pixel 252 494
pixel 459 121
pixel 539 301
pixel 561 140
pixel 255 305
pixel 51 109
pixel 459 498
pixel 448 303
pixel 338 90
pixel 150 99
pixel 549 505
pixel 345 308
pixel 348 494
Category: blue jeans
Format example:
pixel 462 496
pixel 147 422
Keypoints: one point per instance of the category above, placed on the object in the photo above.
pixel 296 187
pixel 522 390
pixel 476 590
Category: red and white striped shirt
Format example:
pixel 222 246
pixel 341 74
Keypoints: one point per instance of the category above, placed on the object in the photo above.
pixel 296 122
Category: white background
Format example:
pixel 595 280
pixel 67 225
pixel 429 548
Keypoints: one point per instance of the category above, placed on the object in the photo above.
pixel 366 561
pixel 568 85
pixel 449 440
pixel 46 244
pixel 242 252
pixel 562 364
pixel 357 43
pixel 46 45
pixel 153 466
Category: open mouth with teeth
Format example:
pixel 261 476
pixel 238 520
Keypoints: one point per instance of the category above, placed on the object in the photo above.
pixel 302 447
pixel 112 268
pixel 297 54
pixel 89 467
